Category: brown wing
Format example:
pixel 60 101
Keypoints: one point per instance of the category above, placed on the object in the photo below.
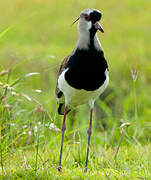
pixel 63 65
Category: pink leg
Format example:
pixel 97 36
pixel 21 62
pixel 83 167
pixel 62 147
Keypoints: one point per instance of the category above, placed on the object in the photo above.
pixel 89 135
pixel 63 130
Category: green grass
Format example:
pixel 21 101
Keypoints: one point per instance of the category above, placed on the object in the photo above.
pixel 132 163
pixel 34 38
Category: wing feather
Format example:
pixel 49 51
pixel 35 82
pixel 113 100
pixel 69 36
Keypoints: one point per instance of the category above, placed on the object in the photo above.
pixel 62 67
pixel 59 93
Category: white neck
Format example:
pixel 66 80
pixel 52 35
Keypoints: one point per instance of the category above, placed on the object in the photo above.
pixel 84 41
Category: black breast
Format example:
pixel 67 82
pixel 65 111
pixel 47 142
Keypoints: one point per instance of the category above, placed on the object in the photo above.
pixel 86 69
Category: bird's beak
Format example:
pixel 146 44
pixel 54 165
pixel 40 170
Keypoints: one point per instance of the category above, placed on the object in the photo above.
pixel 98 26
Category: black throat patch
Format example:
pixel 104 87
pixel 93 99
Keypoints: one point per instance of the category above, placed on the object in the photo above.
pixel 92 34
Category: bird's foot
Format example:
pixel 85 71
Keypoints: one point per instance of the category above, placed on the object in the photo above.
pixel 85 170
pixel 59 169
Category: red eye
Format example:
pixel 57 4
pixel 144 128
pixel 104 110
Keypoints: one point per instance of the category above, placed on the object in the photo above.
pixel 87 17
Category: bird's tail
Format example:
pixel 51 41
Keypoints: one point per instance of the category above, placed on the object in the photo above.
pixel 61 109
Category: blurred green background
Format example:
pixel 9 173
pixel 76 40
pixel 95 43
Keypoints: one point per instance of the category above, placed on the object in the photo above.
pixel 35 37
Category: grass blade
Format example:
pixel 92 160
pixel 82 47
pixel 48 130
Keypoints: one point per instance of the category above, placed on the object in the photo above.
pixel 5 31
pixel 23 77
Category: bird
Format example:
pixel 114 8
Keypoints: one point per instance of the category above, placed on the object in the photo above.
pixel 83 75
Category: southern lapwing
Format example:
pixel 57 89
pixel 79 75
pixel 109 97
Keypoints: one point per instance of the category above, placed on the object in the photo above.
pixel 83 75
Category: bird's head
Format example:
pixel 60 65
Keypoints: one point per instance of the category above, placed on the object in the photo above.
pixel 89 20
pixel 88 26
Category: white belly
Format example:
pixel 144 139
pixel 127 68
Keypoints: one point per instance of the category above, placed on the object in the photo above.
pixel 76 97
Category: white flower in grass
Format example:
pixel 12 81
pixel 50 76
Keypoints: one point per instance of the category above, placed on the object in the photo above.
pixel 39 123
pixel 12 124
pixel 7 106
pixel 3 72
pixel 35 128
pixel 25 132
pixel 51 56
pixel 38 91
pixel 30 133
pixel 53 127
pixel 10 88
pixel 5 86
pixel 13 93
pixel 134 74
pixel 76 163
pixel 47 125
pixel 125 124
